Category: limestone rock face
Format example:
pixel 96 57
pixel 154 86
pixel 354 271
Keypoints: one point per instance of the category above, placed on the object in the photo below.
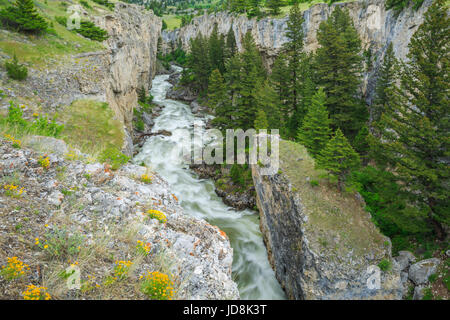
pixel 376 26
pixel 318 248
pixel 133 38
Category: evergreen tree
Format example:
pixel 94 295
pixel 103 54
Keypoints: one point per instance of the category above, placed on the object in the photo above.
pixel 295 56
pixel 254 8
pixel 416 137
pixel 266 99
pixel 279 82
pixel 216 50
pixel 387 77
pixel 23 16
pixel 261 121
pixel 230 47
pixel 338 66
pixel 315 131
pixel 199 63
pixel 216 90
pixel 274 6
pixel 338 158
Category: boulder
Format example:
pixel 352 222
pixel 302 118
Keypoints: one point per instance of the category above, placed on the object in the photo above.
pixel 420 271
pixel 404 259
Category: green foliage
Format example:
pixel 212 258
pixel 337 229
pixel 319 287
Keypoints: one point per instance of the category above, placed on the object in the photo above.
pixel 415 133
pixel 338 157
pixel 85 4
pixel 61 242
pixel 23 17
pixel 385 265
pixel 91 31
pixel 315 131
pixel 113 157
pixel 274 6
pixel 261 121
pixel 177 55
pixel 338 67
pixel 386 80
pixel 388 206
pixel 399 5
pixel 105 3
pixel 40 126
pixel 16 70
pixel 241 175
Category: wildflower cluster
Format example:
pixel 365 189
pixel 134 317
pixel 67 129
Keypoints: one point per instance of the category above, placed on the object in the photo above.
pixel 36 293
pixel 157 286
pixel 72 154
pixel 121 269
pixel 146 178
pixel 44 162
pixel 14 269
pixel 89 285
pixel 15 143
pixel 60 242
pixel 143 248
pixel 13 190
pixel 158 215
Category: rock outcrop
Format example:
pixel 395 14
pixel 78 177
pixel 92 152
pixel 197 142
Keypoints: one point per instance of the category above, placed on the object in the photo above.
pixel 321 244
pixel 376 26
pixel 133 41
pixel 124 63
pixel 108 211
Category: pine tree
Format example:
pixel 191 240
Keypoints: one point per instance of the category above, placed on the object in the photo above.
pixel 216 50
pixel 230 46
pixel 338 67
pixel 274 6
pixel 253 8
pixel 279 82
pixel 23 17
pixel 338 158
pixel 199 63
pixel 386 80
pixel 216 91
pixel 416 138
pixel 261 121
pixel 295 60
pixel 266 99
pixel 315 131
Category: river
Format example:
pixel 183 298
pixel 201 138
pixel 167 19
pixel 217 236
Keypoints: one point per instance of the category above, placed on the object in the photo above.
pixel 251 269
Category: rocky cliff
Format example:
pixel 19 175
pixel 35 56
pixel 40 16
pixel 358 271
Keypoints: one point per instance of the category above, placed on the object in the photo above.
pixel 123 64
pixel 132 43
pixel 321 244
pixel 376 26
pixel 82 211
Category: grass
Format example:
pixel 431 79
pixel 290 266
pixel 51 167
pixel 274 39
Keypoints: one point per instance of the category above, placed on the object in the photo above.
pixel 91 127
pixel 337 219
pixel 38 50
pixel 172 21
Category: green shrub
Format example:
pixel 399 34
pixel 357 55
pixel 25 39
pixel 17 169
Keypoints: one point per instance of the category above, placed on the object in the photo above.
pixel 314 183
pixel 113 157
pixel 40 126
pixel 105 3
pixel 61 20
pixel 23 17
pixel 384 265
pixel 16 70
pixel 85 4
pixel 427 294
pixel 61 243
pixel 91 31
pixel 433 277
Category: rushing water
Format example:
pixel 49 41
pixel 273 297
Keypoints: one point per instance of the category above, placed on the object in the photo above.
pixel 251 269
